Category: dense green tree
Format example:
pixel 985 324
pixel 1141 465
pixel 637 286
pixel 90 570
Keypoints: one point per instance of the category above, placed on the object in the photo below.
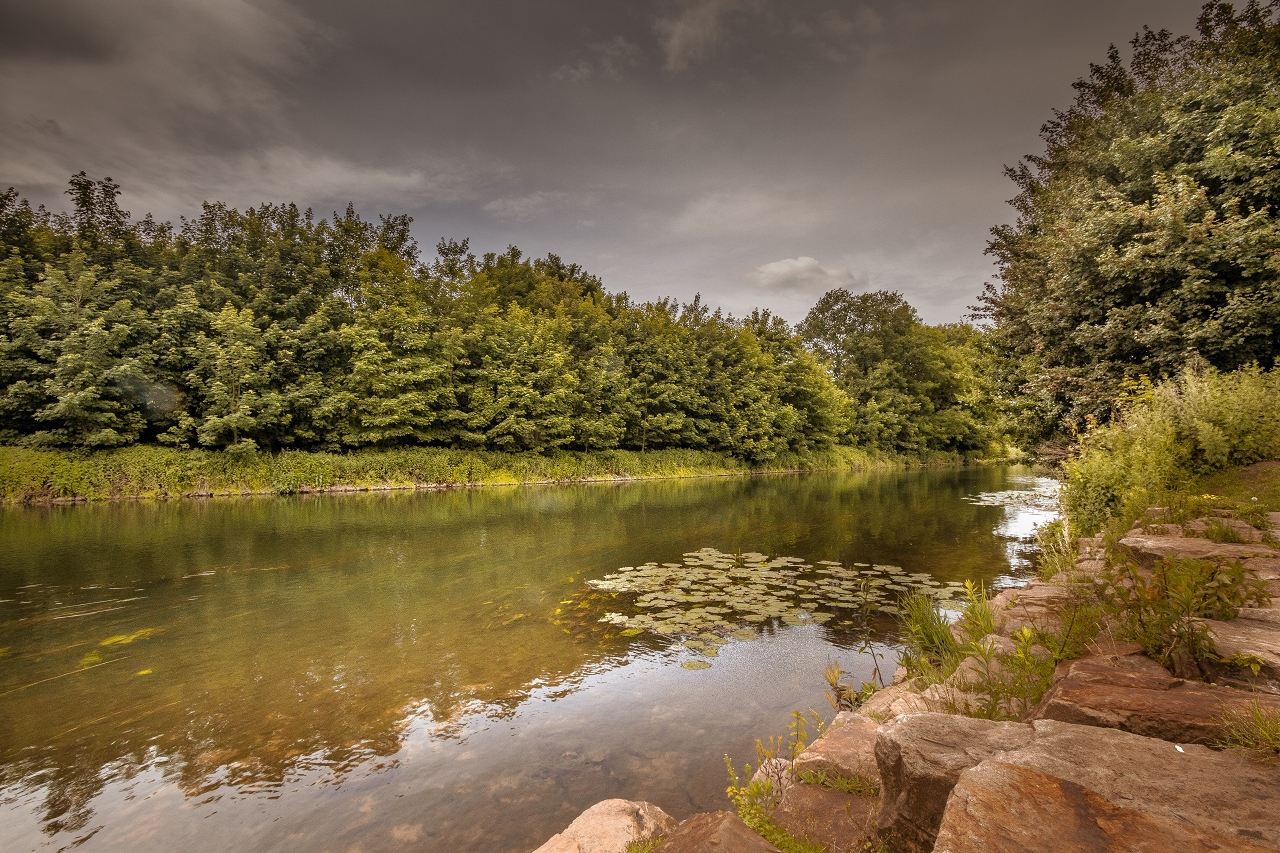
pixel 912 386
pixel 269 329
pixel 1146 237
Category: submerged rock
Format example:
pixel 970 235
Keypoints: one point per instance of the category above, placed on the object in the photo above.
pixel 611 826
pixel 722 832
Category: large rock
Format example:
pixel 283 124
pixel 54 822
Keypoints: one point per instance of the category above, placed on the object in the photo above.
pixel 832 819
pixel 1255 633
pixel 920 758
pixel 1095 692
pixel 1002 808
pixel 1083 788
pixel 611 826
pixel 847 751
pixel 1147 549
pixel 892 702
pixel 1038 605
pixel 714 832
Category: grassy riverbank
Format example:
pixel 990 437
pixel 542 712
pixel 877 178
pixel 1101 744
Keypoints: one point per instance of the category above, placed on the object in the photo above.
pixel 152 472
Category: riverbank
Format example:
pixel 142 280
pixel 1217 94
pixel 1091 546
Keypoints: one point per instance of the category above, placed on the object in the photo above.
pixel 39 476
pixel 1130 700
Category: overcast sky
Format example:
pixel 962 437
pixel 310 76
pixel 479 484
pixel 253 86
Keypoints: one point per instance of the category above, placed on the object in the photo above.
pixel 757 152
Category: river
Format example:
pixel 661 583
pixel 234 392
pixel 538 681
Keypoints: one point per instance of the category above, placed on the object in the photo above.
pixel 428 671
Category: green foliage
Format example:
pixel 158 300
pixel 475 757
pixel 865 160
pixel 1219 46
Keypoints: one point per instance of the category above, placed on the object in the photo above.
pixel 1058 548
pixel 267 330
pixel 859 784
pixel 913 387
pixel 929 648
pixel 644 846
pixel 1163 609
pixel 1257 728
pixel 1165 436
pixel 1146 238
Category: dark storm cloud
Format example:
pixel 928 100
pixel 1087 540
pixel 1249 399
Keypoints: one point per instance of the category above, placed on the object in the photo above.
pixel 759 152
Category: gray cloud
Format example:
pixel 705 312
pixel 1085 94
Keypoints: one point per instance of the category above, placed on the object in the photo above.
pixel 806 276
pixel 671 146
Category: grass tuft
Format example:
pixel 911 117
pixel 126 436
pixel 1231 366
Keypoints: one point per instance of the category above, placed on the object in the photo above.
pixel 1257 729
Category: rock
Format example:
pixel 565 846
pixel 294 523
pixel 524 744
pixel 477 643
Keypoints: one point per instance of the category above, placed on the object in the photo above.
pixel 1212 796
pixel 1147 549
pixel 1116 654
pixel 611 826
pixel 1255 632
pixel 559 844
pixel 900 675
pixel 777 772
pixel 1243 530
pixel 833 819
pixel 847 751
pixel 1036 605
pixel 720 832
pixel 920 757
pixel 1001 808
pixel 1093 692
pixel 891 702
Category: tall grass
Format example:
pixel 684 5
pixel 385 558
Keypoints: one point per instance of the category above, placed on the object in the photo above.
pixel 155 472
pixel 1167 435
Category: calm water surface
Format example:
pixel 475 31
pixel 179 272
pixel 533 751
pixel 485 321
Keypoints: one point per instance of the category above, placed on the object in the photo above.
pixel 385 672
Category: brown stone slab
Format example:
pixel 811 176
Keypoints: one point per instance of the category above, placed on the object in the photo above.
pixel 715 832
pixel 1002 808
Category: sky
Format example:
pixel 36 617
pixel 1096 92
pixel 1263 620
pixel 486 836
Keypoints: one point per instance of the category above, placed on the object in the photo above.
pixel 759 153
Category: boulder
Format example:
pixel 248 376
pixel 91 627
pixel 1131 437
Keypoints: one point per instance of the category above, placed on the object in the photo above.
pixel 1106 778
pixel 714 832
pixel 920 757
pixel 1037 605
pixel 1094 692
pixel 832 819
pixel 1256 633
pixel 1002 808
pixel 1147 549
pixel 891 702
pixel 1118 655
pixel 1243 530
pixel 847 751
pixel 611 826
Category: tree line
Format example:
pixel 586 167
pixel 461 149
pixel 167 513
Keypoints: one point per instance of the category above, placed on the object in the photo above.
pixel 269 329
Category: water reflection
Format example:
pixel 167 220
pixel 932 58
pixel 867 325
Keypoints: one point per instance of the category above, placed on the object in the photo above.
pixel 315 673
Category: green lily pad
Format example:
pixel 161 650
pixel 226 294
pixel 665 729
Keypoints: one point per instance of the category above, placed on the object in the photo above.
pixel 696 664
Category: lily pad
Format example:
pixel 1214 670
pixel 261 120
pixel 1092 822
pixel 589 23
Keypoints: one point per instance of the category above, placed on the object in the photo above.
pixel 696 664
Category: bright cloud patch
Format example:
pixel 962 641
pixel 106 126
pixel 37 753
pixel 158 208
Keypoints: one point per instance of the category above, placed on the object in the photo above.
pixel 806 275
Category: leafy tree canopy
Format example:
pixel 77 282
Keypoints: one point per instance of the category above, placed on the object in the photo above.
pixel 1146 238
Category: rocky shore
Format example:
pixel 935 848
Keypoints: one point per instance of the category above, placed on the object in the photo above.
pixel 1120 754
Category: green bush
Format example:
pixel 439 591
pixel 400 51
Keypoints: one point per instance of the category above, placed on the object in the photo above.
pixel 1165 436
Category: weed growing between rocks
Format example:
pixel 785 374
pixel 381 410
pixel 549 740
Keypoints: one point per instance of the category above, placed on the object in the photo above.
pixel 763 788
pixel 645 846
pixel 1257 729
pixel 1058 548
pixel 980 674
pixel 859 785
pixel 1164 609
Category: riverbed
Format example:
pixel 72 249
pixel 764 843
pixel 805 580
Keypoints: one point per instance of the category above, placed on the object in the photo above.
pixel 401 671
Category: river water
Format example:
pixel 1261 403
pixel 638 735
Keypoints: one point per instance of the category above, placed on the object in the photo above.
pixel 395 671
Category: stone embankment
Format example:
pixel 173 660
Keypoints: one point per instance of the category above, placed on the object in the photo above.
pixel 1118 755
